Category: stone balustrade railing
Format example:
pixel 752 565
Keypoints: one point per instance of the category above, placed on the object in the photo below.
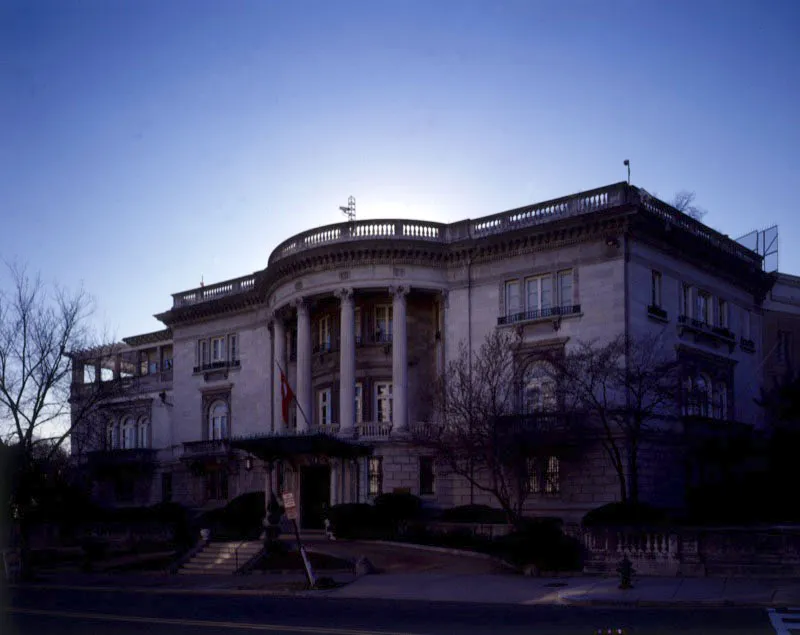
pixel 696 551
pixel 373 430
pixel 213 291
pixel 395 230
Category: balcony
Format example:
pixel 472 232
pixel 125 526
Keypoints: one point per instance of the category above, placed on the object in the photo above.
pixel 373 430
pixel 131 457
pixel 539 314
pixel 211 448
pixel 705 332
pixel 657 313
pixel 214 366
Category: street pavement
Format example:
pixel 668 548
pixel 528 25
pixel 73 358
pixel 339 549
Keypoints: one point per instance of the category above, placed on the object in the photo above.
pixel 42 611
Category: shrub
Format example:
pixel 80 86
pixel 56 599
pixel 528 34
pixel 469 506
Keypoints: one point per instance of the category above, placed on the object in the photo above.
pixel 542 543
pixel 394 510
pixel 240 519
pixel 355 520
pixel 474 514
pixel 624 514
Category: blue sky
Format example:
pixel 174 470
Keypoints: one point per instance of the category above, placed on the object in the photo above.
pixel 145 144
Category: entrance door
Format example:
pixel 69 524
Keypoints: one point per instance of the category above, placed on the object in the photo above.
pixel 315 493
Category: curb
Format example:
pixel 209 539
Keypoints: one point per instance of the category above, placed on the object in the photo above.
pixel 668 604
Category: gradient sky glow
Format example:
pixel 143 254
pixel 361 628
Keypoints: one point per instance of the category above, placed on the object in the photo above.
pixel 145 143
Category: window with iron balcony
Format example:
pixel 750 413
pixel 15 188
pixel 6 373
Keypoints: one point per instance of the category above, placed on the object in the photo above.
pixel 220 351
pixel 543 296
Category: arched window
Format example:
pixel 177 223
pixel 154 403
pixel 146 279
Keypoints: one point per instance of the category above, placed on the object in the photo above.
pixel 143 433
pixel 702 392
pixel 538 388
pixel 720 400
pixel 128 433
pixel 218 420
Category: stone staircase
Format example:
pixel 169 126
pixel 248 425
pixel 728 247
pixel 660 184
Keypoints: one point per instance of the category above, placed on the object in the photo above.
pixel 220 558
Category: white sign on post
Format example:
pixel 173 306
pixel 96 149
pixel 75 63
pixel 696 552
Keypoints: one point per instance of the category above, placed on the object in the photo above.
pixel 289 506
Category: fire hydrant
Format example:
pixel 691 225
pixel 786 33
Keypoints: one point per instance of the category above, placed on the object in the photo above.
pixel 625 570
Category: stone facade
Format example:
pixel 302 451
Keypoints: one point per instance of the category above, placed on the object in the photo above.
pixel 363 317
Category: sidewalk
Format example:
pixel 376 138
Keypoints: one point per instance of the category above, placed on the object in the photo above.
pixel 450 587
pixel 252 584
pixel 574 591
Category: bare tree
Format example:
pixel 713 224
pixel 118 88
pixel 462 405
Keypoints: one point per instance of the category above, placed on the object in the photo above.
pixel 684 202
pixel 478 433
pixel 628 389
pixel 40 326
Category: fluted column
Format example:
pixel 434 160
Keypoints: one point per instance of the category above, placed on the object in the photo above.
pixel 304 397
pixel 278 363
pixel 347 363
pixel 399 361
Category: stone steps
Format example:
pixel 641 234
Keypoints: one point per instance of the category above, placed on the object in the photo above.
pixel 221 558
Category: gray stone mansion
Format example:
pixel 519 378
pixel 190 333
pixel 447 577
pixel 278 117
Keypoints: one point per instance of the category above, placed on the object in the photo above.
pixel 326 355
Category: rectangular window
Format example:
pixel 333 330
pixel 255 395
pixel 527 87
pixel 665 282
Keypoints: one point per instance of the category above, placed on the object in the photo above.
pixel 513 303
pixel 703 307
pixel 383 402
pixel 746 330
pixel 166 487
pixel 544 475
pixel 539 293
pixel 358 412
pixel 202 352
pixel 686 299
pixel 565 298
pixel 143 364
pixel 217 349
pixel 324 334
pixel 375 476
pixel 233 347
pixel 655 288
pixel 324 409
pixel 722 313
pixel 383 323
pixel 426 476
pixel 358 325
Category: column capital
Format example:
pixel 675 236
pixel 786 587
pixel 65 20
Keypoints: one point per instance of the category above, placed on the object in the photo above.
pixel 344 294
pixel 301 304
pixel 399 291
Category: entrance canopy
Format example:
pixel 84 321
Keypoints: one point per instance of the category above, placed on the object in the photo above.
pixel 280 447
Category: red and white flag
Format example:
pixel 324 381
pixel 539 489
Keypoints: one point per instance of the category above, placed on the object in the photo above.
pixel 287 394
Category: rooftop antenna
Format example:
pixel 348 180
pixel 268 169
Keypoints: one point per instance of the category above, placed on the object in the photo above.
pixel 627 164
pixel 202 284
pixel 350 209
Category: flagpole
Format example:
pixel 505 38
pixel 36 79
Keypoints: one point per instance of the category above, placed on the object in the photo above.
pixel 294 395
